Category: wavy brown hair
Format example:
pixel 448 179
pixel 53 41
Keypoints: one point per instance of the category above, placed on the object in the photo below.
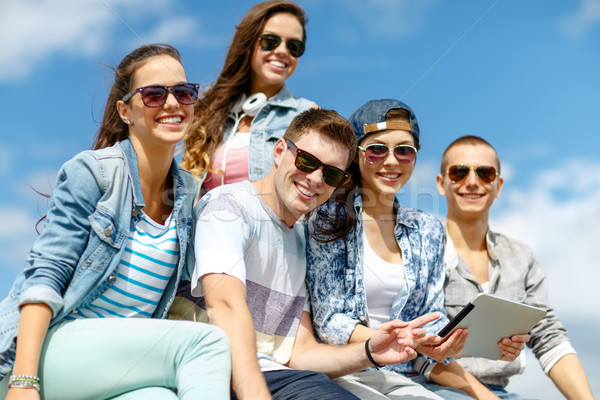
pixel 113 129
pixel 214 106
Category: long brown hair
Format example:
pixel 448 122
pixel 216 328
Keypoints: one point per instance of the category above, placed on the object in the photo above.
pixel 212 110
pixel 113 129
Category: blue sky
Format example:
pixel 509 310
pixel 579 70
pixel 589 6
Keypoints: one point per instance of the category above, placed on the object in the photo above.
pixel 524 75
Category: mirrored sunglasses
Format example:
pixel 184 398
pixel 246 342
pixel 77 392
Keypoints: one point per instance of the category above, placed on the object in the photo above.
pixel 306 162
pixel 156 96
pixel 270 41
pixel 457 173
pixel 376 153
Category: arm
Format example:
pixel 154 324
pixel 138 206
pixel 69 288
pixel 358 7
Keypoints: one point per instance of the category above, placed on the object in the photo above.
pixel 226 307
pixel 569 377
pixel 392 343
pixel 430 345
pixel 33 325
pixel 455 376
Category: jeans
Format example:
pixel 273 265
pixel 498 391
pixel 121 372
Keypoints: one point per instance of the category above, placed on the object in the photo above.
pixel 504 395
pixel 293 384
pixel 106 358
pixel 446 392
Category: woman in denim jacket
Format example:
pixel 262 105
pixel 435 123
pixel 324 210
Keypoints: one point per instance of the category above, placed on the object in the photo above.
pixel 370 260
pixel 85 310
pixel 241 117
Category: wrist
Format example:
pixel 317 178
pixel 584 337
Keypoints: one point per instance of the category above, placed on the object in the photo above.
pixel 24 382
pixel 369 356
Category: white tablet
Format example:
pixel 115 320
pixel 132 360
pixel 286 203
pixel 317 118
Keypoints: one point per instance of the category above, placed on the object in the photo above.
pixel 490 318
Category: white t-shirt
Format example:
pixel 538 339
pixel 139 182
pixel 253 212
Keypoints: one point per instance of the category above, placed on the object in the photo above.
pixel 383 282
pixel 239 235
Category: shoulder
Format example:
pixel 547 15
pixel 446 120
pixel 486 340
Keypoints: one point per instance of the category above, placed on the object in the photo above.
pixel 507 244
pixel 423 222
pixel 236 198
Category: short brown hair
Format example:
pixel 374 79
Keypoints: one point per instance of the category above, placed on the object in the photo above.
pixel 326 122
pixel 467 140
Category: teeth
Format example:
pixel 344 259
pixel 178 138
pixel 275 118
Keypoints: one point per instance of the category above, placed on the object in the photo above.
pixel 472 196
pixel 391 176
pixel 170 120
pixel 277 64
pixel 305 191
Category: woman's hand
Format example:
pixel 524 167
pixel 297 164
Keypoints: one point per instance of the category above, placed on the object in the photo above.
pixel 22 394
pixel 511 347
pixel 440 348
pixel 395 341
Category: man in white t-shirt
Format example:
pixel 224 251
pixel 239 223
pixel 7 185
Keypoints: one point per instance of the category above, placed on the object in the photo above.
pixel 250 270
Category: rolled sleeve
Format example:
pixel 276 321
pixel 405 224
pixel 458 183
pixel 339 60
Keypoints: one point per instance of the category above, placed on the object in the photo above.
pixel 42 294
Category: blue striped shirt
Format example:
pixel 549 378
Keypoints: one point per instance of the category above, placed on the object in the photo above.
pixel 148 263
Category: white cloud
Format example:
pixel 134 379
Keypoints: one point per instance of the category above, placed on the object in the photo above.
pixel 31 31
pixel 583 20
pixel 558 217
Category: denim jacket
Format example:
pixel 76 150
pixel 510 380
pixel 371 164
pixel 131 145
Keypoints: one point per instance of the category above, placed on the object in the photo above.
pixel 95 202
pixel 335 271
pixel 268 126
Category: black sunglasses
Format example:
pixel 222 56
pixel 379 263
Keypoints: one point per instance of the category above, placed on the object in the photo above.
pixel 155 95
pixel 306 162
pixel 376 153
pixel 457 173
pixel 270 41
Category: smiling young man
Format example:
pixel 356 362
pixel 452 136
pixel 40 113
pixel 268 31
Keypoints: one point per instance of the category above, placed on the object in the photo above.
pixel 250 271
pixel 478 260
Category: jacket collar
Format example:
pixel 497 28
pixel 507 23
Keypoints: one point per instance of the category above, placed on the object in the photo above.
pixel 134 173
pixel 283 98
pixel 403 217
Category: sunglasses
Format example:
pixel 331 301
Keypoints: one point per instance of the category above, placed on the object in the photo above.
pixel 306 162
pixel 376 153
pixel 155 95
pixel 457 173
pixel 270 41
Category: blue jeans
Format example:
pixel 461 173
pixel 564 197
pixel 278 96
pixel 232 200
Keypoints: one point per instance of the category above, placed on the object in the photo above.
pixel 293 384
pixel 504 395
pixel 446 392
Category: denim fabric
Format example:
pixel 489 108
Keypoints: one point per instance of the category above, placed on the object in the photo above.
pixel 504 395
pixel 446 392
pixel 268 126
pixel 374 111
pixel 287 384
pixel 335 276
pixel 96 201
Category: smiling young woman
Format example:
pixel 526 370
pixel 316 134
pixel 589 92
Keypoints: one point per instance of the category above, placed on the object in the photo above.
pixel 239 119
pixel 83 319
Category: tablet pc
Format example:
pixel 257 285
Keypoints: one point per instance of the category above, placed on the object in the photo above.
pixel 490 318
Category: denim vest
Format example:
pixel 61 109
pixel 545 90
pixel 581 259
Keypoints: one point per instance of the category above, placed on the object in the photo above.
pixel 95 202
pixel 268 126
pixel 335 276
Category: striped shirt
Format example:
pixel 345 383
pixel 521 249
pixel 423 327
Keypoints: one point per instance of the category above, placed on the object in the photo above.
pixel 149 261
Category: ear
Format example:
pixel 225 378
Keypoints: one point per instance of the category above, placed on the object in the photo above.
pixel 439 180
pixel 279 152
pixel 123 111
pixel 500 185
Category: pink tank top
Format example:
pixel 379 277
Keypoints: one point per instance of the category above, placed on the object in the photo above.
pixel 236 167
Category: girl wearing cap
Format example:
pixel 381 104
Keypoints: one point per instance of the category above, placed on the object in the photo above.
pixel 371 260
pixel 240 118
pixel 82 321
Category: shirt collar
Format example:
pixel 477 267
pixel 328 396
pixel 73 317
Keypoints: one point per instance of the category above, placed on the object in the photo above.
pixel 402 216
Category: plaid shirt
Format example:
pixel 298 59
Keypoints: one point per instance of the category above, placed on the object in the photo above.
pixel 516 275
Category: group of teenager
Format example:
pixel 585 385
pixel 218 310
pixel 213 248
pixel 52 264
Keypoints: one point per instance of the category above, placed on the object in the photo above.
pixel 276 261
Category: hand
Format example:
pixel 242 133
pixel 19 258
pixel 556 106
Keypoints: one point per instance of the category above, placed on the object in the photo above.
pixel 22 394
pixel 440 348
pixel 395 341
pixel 511 347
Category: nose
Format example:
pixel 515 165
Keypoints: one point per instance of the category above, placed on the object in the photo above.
pixel 390 159
pixel 316 177
pixel 171 101
pixel 472 178
pixel 282 48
